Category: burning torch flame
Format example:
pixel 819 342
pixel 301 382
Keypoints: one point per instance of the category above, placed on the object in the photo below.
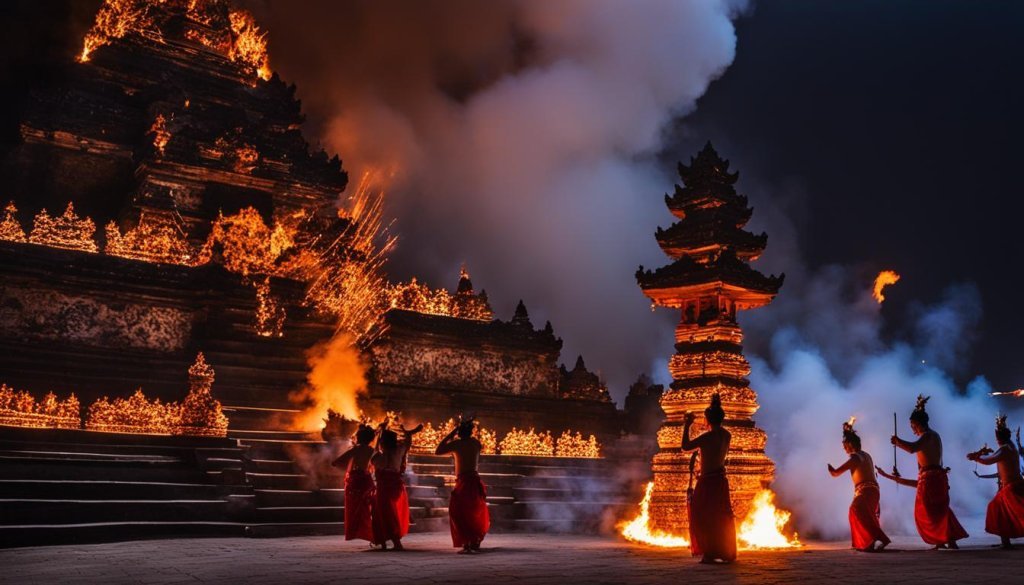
pixel 884 279
pixel 1018 393
pixel 761 529
pixel 852 420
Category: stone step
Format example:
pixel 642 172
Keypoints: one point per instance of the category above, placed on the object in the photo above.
pixel 272 466
pixel 53 534
pixel 279 530
pixel 261 435
pixel 119 490
pixel 297 514
pixel 102 470
pixel 564 495
pixel 562 510
pixel 279 481
pixel 39 511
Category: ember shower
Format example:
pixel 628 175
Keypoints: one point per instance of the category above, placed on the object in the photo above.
pixel 521 136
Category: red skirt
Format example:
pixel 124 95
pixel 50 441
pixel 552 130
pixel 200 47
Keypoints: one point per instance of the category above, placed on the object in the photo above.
pixel 1005 515
pixel 467 510
pixel 936 523
pixel 391 508
pixel 712 527
pixel 864 515
pixel 359 496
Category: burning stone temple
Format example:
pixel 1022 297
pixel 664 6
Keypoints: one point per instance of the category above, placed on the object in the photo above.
pixel 221 237
pixel 709 282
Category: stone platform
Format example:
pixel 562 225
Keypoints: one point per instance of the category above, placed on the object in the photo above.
pixel 506 558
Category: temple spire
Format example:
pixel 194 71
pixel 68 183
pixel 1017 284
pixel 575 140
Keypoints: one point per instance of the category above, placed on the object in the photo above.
pixel 521 317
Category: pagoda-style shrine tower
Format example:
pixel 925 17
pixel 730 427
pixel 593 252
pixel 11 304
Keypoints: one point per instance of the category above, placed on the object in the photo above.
pixel 709 281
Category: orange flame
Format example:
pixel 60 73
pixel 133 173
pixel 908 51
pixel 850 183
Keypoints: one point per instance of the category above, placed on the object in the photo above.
pixel 1018 393
pixel 884 279
pixel 761 529
pixel 336 378
pixel 639 528
pixel 763 526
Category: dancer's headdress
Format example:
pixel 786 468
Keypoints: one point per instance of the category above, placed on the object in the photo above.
pixel 1002 431
pixel 919 414
pixel 850 435
pixel 715 413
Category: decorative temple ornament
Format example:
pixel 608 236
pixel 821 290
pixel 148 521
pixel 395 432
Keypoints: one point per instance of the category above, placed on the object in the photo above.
pixel 427 440
pixel 156 238
pixel 19 408
pixel 527 443
pixel 200 413
pixel 161 135
pixel 576 446
pixel 709 282
pixel 464 304
pixel 581 384
pixel 135 415
pixel 68 231
pixel 10 228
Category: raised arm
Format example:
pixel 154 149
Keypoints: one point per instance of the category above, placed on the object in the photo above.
pixel 343 459
pixel 445 446
pixel 842 468
pixel 1000 454
pixel 687 444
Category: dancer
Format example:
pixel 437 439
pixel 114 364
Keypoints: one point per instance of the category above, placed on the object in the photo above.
pixel 865 529
pixel 467 508
pixel 712 526
pixel 391 508
pixel 359 489
pixel 1005 516
pixel 936 522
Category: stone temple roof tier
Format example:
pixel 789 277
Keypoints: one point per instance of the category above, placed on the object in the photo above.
pixel 727 273
pixel 707 182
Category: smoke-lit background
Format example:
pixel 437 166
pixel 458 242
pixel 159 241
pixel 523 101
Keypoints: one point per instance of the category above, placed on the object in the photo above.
pixel 533 140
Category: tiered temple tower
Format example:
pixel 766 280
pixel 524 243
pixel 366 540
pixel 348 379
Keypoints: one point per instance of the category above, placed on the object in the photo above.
pixel 709 281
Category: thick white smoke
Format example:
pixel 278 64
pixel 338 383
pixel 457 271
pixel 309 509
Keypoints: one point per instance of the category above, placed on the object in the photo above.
pixel 522 134
pixel 831 362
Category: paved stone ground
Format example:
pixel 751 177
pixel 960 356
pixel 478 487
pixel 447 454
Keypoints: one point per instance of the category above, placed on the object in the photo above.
pixel 540 559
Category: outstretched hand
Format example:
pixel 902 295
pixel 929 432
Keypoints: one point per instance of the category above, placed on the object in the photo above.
pixel 688 418
pixel 831 469
pixel 894 440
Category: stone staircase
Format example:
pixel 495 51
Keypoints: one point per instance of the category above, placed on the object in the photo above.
pixel 67 486
pixel 70 486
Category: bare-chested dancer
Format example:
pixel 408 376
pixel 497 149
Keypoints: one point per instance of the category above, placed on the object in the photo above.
pixel 865 529
pixel 359 488
pixel 467 509
pixel 1005 516
pixel 391 507
pixel 936 522
pixel 712 526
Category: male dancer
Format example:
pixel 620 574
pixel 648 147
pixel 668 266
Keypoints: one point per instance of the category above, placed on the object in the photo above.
pixel 359 489
pixel 936 523
pixel 1005 516
pixel 712 526
pixel 391 508
pixel 467 509
pixel 864 510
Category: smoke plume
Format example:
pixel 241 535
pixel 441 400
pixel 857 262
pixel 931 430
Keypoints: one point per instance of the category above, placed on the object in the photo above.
pixel 521 135
pixel 827 359
pixel 336 378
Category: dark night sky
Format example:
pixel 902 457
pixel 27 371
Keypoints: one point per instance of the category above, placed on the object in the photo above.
pixel 896 128
pixel 890 130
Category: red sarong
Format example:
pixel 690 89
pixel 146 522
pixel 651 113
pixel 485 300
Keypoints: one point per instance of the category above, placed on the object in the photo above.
pixel 359 496
pixel 864 515
pixel 467 510
pixel 936 523
pixel 712 527
pixel 1005 515
pixel 391 508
